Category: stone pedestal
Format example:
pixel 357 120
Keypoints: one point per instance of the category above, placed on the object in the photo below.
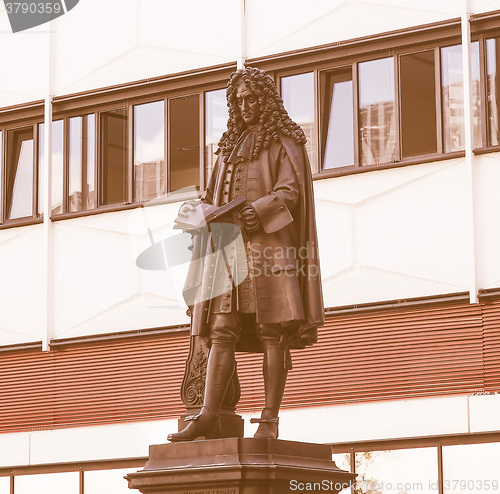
pixel 239 466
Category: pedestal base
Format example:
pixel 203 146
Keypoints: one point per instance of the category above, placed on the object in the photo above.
pixel 239 466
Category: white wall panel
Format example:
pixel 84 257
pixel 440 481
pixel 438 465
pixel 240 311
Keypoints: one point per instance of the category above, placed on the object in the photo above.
pixel 487 219
pixel 14 449
pixel 107 43
pixel 98 287
pixel 341 423
pixel 275 27
pixel 479 6
pixel 99 443
pixel 484 413
pixel 21 301
pixel 393 234
pixel 25 65
pixel 90 37
pixel 383 235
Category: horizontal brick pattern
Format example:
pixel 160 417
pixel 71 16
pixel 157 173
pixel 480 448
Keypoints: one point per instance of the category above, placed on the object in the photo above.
pixel 367 356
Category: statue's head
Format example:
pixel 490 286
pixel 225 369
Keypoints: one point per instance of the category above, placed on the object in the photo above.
pixel 250 92
pixel 248 104
pixel 253 101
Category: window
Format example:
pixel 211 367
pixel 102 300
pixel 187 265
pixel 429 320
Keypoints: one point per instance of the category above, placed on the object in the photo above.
pixel 471 468
pixel 150 173
pixel 338 120
pixel 57 165
pixel 49 483
pixel 1 174
pixel 113 164
pixel 385 472
pixel 216 115
pixel 81 164
pixel 343 461
pixel 19 174
pixel 399 99
pixel 184 125
pixel 106 481
pixel 400 109
pixel 298 98
pixel 4 485
pixel 493 89
pixel 453 100
pixel 417 73
pixel 377 111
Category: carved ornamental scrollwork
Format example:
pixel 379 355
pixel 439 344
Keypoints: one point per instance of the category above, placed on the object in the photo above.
pixel 193 383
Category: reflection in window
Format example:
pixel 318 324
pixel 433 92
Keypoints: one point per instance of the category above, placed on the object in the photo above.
pixel 57 166
pixel 453 97
pixel 471 468
pixel 387 472
pixel 493 88
pixel 338 125
pixel 184 142
pixel 298 98
pixel 150 175
pixel 81 190
pixel 113 166
pixel 216 115
pixel 19 173
pixel 106 481
pixel 377 116
pixel 418 103
pixel 51 483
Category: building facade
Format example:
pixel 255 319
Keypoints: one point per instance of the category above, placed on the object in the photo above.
pixel 399 102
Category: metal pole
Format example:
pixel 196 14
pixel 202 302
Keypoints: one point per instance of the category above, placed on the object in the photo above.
pixel 469 155
pixel 47 198
pixel 243 38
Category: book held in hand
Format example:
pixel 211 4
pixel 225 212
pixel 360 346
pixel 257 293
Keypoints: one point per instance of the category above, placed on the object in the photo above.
pixel 203 214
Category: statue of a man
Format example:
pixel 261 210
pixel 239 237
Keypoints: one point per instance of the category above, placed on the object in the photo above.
pixel 279 304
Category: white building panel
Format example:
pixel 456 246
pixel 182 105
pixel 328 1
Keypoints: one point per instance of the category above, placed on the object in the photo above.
pixel 21 289
pixel 479 6
pixel 98 443
pixel 14 449
pixel 334 424
pixel 393 234
pixel 98 286
pixel 25 63
pixel 488 219
pixel 484 413
pixel 106 43
pixel 275 27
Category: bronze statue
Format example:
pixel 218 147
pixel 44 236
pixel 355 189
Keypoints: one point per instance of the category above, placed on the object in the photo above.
pixel 278 305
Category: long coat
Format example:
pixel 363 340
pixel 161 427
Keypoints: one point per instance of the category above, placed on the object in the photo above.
pixel 284 251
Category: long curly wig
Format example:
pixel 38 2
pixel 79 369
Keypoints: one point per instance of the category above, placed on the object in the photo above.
pixel 273 117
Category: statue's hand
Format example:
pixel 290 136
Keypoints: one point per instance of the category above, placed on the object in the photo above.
pixel 184 211
pixel 187 207
pixel 250 219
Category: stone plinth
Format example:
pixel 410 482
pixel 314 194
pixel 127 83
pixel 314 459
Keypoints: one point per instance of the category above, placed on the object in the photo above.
pixel 239 466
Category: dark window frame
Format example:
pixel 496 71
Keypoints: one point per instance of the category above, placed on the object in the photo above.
pixel 102 198
pixel 85 163
pixel 322 60
pixel 437 442
pixel 7 129
pixel 66 108
pixel 328 59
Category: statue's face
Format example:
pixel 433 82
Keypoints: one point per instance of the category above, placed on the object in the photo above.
pixel 248 104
